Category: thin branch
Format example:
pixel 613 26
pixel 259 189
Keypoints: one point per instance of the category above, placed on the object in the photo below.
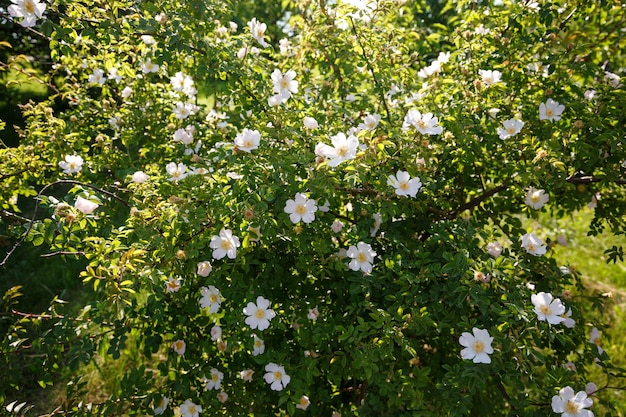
pixel 588 179
pixel 36 209
pixel 476 200
pixel 371 69
pixel 50 255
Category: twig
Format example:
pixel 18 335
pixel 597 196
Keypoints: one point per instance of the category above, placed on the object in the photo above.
pixel 37 203
pixel 60 252
pixel 371 69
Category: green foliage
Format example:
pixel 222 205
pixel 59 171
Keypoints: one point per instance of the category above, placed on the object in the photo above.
pixel 353 342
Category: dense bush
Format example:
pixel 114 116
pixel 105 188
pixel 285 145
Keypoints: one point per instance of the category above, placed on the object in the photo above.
pixel 330 218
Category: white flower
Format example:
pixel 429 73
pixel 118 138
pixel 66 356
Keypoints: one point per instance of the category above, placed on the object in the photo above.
pixel 276 376
pixel 536 198
pixel 259 346
pixel 179 346
pixel 189 409
pixel 569 322
pixel 204 268
pixel 284 46
pixel 140 177
pixel 284 85
pixel 303 403
pixel 246 375
pixel 612 78
pixel 216 333
pixel 184 110
pixel 336 226
pixel 590 94
pixel 370 122
pixel 547 308
pixel 259 314
pixel 177 171
pixel 71 164
pixel 343 149
pixel 595 338
pixel 185 136
pixel 302 208
pixel 183 83
pixel 162 406
pixel 570 366
pixel 172 284
pixel 510 128
pixel 477 346
pixel 222 397
pixel 215 380
pixel 404 184
pixel 378 221
pixel 490 77
pixel 97 77
pixel 494 249
pixel 313 314
pixel 30 10
pixel 247 140
pixel 425 123
pixel 533 244
pixel 126 92
pixel 210 298
pixel 257 30
pixel 310 123
pixel 148 66
pixel 276 100
pixel 550 110
pixel 225 244
pixel 572 404
pixel 362 257
pixel 114 75
pixel 590 388
pixel 85 206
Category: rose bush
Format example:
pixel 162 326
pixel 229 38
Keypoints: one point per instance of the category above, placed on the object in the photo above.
pixel 325 212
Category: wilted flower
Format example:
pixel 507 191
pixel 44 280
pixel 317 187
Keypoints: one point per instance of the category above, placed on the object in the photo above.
pixel 246 375
pixel 216 333
pixel 313 314
pixel 303 403
pixel 179 346
pixel 494 249
pixel 222 397
pixel 204 268
pixel 172 284
pixel 85 206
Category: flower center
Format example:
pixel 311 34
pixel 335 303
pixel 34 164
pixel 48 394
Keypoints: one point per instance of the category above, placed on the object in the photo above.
pixel 545 309
pixel 361 257
pixel 301 209
pixel 571 407
pixel 479 346
pixel 213 298
pixel 404 186
pixel 260 314
pixel 422 124
pixel 215 377
pixel 488 80
pixel 29 7
pixel 278 376
pixel 225 245
pixel 284 83
pixel 192 409
pixel 535 198
pixel 342 151
pixel 258 343
pixel 510 130
pixel 549 112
